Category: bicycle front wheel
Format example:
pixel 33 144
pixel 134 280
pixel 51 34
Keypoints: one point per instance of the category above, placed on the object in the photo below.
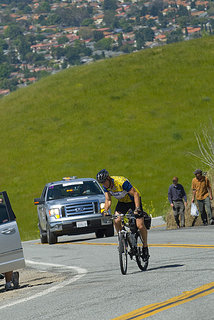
pixel 141 262
pixel 123 253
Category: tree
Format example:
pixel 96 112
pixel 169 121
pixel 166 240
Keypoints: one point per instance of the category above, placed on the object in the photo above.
pixel 200 7
pixel 43 7
pixel 3 44
pixel 72 54
pixel 2 56
pixel 120 40
pixel 11 56
pixel 73 16
pixel 145 34
pixel 22 46
pixel 5 70
pixel 162 20
pixel 52 19
pixel 87 22
pixel 193 5
pixel 125 25
pixel 109 17
pixel 104 44
pixel 174 36
pixel 13 31
pixel 182 11
pixel 156 8
pixel 148 34
pixel 58 52
pixel 140 43
pixel 62 40
pixel 42 20
pixel 9 84
pixel 110 5
pixel 151 23
pixel 139 37
pixel 183 21
pixel 144 11
pixel 86 33
pixel 24 7
pixel 126 48
pixel 97 35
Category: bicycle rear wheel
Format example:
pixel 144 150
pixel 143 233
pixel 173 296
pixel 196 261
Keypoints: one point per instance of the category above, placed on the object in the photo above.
pixel 123 253
pixel 141 262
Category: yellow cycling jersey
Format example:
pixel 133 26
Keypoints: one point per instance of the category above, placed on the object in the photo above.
pixel 120 189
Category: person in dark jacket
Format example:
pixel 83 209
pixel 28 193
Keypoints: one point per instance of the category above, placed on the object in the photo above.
pixel 178 201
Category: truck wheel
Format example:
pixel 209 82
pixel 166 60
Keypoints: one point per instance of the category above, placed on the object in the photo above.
pixel 43 235
pixel 109 232
pixel 99 233
pixel 43 238
pixel 51 237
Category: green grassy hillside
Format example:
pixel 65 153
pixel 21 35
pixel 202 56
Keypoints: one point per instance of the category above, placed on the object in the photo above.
pixel 134 115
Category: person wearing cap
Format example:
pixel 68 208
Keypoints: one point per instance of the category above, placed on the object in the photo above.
pixel 128 198
pixel 176 194
pixel 202 191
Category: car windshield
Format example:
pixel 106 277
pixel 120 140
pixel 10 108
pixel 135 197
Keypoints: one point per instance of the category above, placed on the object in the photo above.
pixel 73 189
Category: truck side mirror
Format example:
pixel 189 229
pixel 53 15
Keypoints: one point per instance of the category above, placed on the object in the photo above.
pixel 38 201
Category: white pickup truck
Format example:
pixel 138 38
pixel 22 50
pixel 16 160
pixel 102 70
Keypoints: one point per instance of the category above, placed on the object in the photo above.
pixel 72 206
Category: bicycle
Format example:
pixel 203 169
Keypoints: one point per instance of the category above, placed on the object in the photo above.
pixel 130 243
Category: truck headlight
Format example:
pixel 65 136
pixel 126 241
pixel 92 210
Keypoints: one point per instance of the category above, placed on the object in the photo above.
pixel 102 206
pixel 54 212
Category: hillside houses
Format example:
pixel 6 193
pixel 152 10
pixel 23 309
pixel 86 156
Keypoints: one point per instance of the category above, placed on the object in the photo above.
pixel 52 40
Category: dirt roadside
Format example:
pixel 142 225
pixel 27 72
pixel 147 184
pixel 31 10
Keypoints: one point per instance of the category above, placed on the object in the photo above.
pixel 29 280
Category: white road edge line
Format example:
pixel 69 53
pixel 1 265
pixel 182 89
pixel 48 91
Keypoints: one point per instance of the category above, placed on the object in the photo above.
pixel 81 272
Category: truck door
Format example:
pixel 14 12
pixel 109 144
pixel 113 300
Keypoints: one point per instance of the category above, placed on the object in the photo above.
pixel 11 252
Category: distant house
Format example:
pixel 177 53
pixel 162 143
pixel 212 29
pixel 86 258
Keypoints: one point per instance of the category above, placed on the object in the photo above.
pixel 198 13
pixel 4 92
pixel 161 37
pixel 98 19
pixel 192 30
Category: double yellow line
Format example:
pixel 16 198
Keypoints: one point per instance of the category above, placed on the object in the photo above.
pixel 156 245
pixel 152 309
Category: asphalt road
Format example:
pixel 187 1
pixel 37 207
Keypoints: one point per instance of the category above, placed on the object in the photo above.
pixel 179 282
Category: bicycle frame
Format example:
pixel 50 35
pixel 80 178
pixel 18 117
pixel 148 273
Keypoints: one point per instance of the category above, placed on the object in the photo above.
pixel 128 238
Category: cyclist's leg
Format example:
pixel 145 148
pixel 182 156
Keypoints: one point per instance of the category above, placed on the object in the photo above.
pixel 117 222
pixel 141 226
pixel 121 207
pixel 143 231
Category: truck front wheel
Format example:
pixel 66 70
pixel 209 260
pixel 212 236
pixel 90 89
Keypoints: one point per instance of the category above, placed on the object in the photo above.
pixel 43 235
pixel 99 233
pixel 109 232
pixel 51 236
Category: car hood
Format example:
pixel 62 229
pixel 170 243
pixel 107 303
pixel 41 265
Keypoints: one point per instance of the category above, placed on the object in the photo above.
pixel 66 201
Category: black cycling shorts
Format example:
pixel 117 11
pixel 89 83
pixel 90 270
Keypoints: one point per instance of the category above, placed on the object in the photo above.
pixel 123 207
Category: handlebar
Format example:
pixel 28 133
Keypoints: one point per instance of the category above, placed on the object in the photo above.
pixel 115 216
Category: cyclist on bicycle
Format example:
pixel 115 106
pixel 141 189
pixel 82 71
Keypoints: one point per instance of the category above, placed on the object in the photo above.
pixel 128 198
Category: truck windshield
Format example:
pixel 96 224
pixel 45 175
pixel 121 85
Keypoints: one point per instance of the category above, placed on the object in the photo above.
pixel 73 189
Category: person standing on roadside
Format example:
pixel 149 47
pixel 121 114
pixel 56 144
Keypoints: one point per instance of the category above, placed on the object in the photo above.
pixel 176 194
pixel 202 191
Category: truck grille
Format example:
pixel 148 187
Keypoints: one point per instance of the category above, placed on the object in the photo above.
pixel 81 209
